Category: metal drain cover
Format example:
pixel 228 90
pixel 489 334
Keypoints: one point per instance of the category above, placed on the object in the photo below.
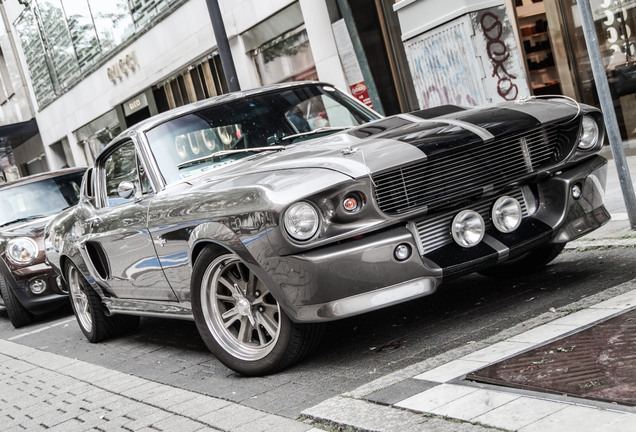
pixel 598 363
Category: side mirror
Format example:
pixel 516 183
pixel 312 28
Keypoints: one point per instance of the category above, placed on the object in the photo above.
pixel 126 189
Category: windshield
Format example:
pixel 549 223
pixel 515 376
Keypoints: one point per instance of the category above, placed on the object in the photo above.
pixel 43 198
pixel 198 141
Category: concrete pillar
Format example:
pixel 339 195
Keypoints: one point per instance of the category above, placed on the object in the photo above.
pixel 323 44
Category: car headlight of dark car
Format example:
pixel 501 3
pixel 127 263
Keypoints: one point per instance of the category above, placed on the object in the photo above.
pixel 301 221
pixel 22 250
pixel 589 134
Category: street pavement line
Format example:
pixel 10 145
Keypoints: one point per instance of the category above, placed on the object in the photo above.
pixel 21 335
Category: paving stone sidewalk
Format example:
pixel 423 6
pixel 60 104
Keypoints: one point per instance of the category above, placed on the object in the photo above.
pixel 45 391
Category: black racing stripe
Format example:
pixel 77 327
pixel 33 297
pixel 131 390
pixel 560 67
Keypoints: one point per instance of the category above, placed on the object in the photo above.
pixel 498 121
pixel 379 127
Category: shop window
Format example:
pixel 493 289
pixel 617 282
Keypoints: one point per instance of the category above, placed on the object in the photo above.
pixel 93 136
pixel 63 39
pixel 83 33
pixel 287 58
pixel 615 23
pixel 36 58
pixel 197 82
pixel 537 46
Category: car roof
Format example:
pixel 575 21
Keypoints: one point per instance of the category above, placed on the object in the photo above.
pixel 41 176
pixel 160 118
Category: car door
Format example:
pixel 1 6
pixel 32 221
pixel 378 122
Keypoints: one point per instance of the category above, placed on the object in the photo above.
pixel 119 227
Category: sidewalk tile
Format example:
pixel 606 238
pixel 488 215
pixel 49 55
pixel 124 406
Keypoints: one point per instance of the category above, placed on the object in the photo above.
pixel 232 416
pixel 437 396
pixel 498 351
pixel 475 404
pixel 578 419
pixel 519 413
pixel 451 370
pixel 585 317
pixel 544 333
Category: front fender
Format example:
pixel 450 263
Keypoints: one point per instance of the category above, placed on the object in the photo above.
pixel 252 251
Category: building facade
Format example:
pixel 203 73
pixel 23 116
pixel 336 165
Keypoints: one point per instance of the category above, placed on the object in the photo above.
pixel 496 50
pixel 93 68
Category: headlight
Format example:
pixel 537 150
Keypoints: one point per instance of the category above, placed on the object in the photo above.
pixel 589 135
pixel 22 250
pixel 301 221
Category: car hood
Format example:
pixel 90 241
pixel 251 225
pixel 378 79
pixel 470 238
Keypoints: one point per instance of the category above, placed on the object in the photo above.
pixel 32 228
pixel 405 138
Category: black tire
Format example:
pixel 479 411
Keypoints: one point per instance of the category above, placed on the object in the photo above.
pixel 18 315
pixel 240 321
pixel 91 314
pixel 529 263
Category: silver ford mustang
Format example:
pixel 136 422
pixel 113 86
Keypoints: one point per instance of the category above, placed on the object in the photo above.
pixel 262 214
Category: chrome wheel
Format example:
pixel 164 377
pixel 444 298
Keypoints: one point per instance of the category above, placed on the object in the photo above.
pixel 80 300
pixel 238 309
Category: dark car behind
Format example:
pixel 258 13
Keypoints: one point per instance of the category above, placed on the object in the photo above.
pixel 28 286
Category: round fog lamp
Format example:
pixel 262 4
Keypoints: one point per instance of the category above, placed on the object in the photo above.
pixel 506 214
pixel 37 286
pixel 402 252
pixel 577 191
pixel 468 228
pixel 350 204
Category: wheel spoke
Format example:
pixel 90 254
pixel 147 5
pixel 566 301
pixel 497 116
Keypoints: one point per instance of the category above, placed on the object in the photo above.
pixel 270 324
pixel 231 322
pixel 229 314
pixel 245 331
pixel 262 339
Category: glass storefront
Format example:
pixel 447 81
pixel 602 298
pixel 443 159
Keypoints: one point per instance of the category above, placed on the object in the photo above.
pixel 63 39
pixel 557 61
pixel 198 81
pixel 286 58
pixel 93 136
pixel 615 22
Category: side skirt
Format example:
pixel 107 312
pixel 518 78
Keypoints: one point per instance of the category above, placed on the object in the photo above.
pixel 148 308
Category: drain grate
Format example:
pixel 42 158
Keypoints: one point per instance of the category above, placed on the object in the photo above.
pixel 598 363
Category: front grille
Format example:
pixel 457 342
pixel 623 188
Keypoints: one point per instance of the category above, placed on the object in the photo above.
pixel 467 173
pixel 435 232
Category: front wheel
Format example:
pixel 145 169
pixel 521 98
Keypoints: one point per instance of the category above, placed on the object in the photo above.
pixel 91 315
pixel 529 263
pixel 18 315
pixel 241 322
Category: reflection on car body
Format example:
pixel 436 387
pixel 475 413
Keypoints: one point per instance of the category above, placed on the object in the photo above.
pixel 28 286
pixel 250 214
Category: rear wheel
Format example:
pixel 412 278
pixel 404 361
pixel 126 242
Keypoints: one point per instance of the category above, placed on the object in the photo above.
pixel 241 322
pixel 91 314
pixel 18 315
pixel 529 263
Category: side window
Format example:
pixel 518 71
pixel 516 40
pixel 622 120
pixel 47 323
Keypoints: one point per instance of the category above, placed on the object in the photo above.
pixel 120 166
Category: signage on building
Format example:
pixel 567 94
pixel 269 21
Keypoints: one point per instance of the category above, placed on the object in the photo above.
pixel 350 64
pixel 135 104
pixel 122 67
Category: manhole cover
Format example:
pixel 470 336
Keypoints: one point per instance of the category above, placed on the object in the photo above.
pixel 598 363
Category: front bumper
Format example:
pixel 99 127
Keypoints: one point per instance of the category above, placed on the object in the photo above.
pixel 363 275
pixel 19 279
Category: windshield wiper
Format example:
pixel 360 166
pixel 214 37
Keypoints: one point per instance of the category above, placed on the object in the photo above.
pixel 24 219
pixel 315 131
pixel 220 153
